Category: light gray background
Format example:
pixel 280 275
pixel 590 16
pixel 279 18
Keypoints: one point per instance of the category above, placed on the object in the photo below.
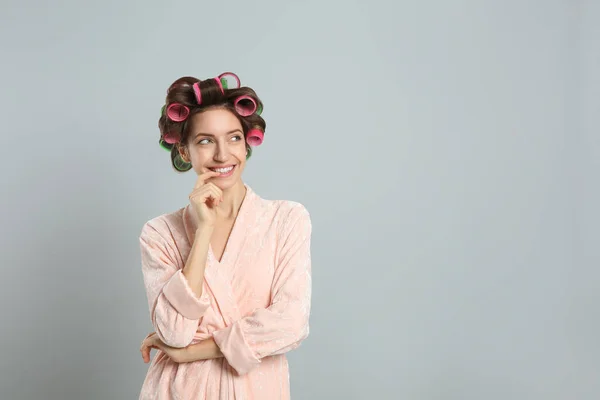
pixel 448 152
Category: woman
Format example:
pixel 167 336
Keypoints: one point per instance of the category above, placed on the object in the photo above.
pixel 228 277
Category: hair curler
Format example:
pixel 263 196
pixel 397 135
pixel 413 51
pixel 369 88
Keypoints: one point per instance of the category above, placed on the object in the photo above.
pixel 245 105
pixel 177 112
pixel 255 137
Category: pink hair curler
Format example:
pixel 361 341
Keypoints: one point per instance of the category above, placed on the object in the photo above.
pixel 245 105
pixel 237 79
pixel 171 137
pixel 177 112
pixel 255 137
pixel 197 92
pixel 218 79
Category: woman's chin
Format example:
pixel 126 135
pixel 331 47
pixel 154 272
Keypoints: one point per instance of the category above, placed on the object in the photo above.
pixel 226 183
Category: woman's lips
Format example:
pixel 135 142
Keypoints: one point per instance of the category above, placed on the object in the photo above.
pixel 224 171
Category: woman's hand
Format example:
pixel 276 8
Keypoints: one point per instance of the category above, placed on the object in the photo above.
pixel 152 341
pixel 205 198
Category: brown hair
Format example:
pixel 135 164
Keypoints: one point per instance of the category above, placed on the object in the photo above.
pixel 181 91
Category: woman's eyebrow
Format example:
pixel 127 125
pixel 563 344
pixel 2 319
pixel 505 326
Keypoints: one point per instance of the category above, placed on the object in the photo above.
pixel 211 135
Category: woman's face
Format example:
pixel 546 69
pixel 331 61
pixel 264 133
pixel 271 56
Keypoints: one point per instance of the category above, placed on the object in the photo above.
pixel 216 142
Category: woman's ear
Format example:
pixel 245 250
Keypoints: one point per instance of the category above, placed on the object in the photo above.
pixel 183 153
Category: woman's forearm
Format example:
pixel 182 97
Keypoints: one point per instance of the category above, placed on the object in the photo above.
pixel 196 261
pixel 205 350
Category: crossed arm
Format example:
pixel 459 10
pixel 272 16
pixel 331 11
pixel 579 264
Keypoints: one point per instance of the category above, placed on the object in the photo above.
pixel 204 350
pixel 265 332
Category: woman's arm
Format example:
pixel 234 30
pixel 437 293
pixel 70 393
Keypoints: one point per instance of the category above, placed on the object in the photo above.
pixel 204 350
pixel 196 262
pixel 175 296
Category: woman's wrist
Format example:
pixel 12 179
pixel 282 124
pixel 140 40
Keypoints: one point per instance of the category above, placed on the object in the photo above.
pixel 204 230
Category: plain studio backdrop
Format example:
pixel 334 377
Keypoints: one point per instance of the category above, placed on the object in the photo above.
pixel 448 153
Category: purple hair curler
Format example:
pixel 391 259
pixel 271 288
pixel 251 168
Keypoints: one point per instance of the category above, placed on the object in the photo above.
pixel 177 112
pixel 245 105
pixel 255 137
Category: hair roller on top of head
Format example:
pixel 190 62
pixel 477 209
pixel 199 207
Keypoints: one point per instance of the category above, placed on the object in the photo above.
pixel 177 112
pixel 225 82
pixel 245 105
pixel 218 80
pixel 197 92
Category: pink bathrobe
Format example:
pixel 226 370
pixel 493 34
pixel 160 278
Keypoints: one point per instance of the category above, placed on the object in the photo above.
pixel 255 302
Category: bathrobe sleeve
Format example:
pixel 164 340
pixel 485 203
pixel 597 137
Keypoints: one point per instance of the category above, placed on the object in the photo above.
pixel 280 327
pixel 175 309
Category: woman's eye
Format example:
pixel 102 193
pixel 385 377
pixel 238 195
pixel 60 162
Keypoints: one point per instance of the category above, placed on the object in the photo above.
pixel 237 138
pixel 204 141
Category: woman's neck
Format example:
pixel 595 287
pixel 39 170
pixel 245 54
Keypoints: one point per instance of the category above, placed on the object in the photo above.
pixel 232 200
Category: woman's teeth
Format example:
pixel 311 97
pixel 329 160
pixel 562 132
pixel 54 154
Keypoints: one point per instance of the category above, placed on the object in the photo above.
pixel 222 170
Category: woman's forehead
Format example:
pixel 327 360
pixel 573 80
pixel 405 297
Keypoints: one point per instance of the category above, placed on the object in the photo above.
pixel 217 121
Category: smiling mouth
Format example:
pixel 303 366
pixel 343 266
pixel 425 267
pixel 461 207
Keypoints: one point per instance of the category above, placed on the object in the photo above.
pixel 223 170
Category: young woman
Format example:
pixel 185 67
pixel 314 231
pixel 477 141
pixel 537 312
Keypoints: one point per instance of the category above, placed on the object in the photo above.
pixel 228 276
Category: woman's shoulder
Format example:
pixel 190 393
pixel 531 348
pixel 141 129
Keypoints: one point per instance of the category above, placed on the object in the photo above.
pixel 285 214
pixel 164 223
pixel 284 208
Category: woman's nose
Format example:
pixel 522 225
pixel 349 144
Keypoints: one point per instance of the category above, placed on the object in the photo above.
pixel 221 153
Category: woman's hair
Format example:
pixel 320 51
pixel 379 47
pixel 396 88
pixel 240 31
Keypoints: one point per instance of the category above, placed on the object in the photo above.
pixel 188 96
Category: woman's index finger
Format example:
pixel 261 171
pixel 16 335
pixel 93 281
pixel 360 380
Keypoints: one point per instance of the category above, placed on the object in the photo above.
pixel 203 177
